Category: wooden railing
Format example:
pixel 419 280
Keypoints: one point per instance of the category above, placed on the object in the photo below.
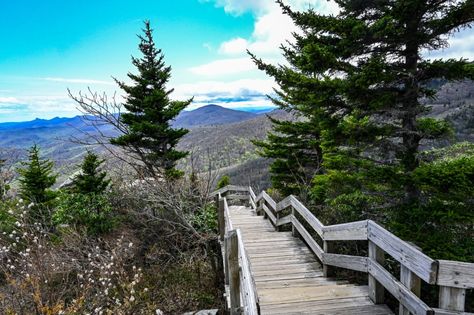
pixel 240 287
pixel 452 277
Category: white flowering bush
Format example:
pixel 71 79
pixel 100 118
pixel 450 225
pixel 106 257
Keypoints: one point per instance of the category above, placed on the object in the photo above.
pixel 44 274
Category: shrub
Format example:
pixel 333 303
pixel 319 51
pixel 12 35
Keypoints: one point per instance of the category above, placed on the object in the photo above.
pixel 224 181
pixel 90 211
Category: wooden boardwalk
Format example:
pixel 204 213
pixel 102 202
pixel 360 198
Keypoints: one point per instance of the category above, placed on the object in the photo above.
pixel 288 277
pixel 268 271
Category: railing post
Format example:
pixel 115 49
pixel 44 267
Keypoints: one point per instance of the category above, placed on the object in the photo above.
pixel 294 231
pixel 452 299
pixel 412 282
pixel 328 247
pixel 232 257
pixel 220 216
pixel 376 290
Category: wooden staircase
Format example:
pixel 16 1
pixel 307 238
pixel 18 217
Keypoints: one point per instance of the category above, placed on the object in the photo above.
pixel 289 279
pixel 273 272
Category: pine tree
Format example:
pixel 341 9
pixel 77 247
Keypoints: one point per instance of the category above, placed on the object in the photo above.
pixel 36 180
pixel 390 75
pixel 308 88
pixel 91 180
pixel 150 112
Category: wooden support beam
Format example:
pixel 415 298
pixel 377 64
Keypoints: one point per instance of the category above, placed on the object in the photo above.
pixel 232 257
pixel 452 299
pixel 412 282
pixel 376 290
pixel 328 248
pixel 220 217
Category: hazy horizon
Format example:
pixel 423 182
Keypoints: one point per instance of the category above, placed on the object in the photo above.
pixel 57 45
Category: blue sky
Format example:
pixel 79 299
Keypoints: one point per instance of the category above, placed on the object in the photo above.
pixel 51 45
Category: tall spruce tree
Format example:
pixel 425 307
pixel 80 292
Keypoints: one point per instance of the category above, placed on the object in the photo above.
pixel 309 88
pixel 36 180
pixel 91 180
pixel 390 76
pixel 150 112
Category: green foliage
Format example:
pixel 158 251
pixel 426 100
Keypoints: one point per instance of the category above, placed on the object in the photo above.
pixel 356 80
pixel 205 219
pixel 91 180
pixel 445 210
pixel 150 111
pixel 90 211
pixel 8 209
pixel 36 180
pixel 4 187
pixel 224 181
pixel 433 128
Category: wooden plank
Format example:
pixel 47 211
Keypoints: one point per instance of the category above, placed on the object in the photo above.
pixel 221 217
pixel 412 282
pixel 295 265
pixel 412 258
pixel 285 295
pixel 237 197
pixel 307 215
pixel 271 203
pixel 284 220
pixel 312 282
pixel 356 263
pixel 439 311
pixel 228 222
pixel 269 213
pixel 232 257
pixel 336 309
pixel 346 232
pixel 317 250
pixel 292 276
pixel 285 203
pixel 455 274
pixel 376 289
pixel 452 299
pixel 328 247
pixel 409 300
pixel 252 194
pixel 227 188
pixel 323 305
pixel 247 284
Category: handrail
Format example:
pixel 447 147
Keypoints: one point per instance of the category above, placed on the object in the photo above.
pixel 452 277
pixel 242 291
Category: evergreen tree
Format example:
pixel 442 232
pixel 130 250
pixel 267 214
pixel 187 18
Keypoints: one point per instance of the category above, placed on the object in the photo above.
pixel 150 112
pixel 389 77
pixel 308 88
pixel 91 180
pixel 36 180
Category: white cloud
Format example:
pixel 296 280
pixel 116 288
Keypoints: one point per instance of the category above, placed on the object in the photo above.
pixel 460 45
pixel 237 7
pixel 227 89
pixel 77 81
pixel 238 93
pixel 225 67
pixel 8 100
pixel 234 46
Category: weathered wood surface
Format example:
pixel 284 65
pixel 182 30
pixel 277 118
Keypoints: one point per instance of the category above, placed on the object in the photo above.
pixel 455 274
pixel 409 256
pixel 289 277
pixel 281 257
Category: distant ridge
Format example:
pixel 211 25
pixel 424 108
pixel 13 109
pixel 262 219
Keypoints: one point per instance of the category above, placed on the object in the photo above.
pixel 203 116
pixel 211 115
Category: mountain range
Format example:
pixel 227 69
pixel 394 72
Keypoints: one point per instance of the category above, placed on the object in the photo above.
pixel 219 137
